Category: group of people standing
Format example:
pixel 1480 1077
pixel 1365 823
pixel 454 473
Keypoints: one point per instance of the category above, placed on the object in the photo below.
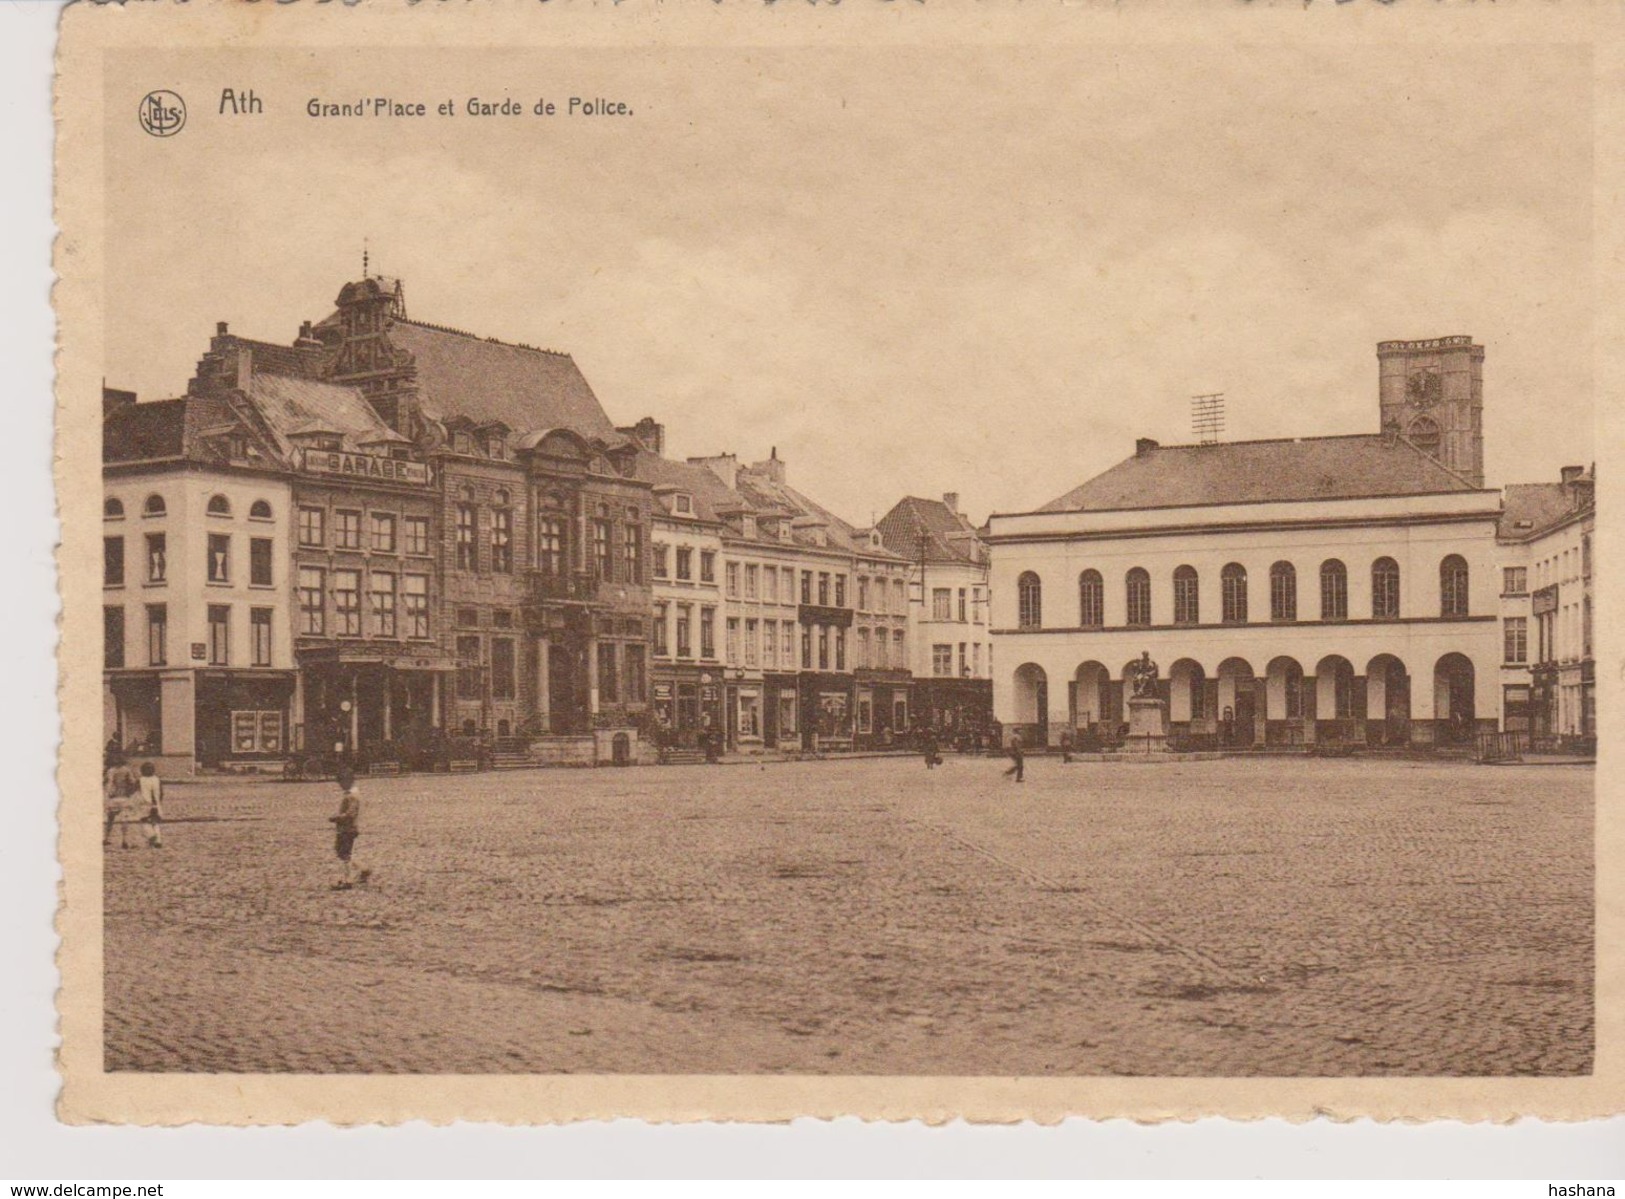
pixel 131 797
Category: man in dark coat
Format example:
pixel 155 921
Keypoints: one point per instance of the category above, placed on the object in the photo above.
pixel 1018 761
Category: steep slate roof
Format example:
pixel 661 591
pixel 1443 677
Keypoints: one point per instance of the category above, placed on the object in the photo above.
pixel 485 380
pixel 1527 509
pixel 950 537
pixel 763 492
pixel 1240 472
pixel 292 405
pixel 710 494
pixel 173 428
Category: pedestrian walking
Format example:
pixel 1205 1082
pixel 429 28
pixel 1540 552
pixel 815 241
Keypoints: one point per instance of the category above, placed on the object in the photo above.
pixel 151 790
pixel 346 828
pixel 928 746
pixel 1066 745
pixel 118 789
pixel 1018 761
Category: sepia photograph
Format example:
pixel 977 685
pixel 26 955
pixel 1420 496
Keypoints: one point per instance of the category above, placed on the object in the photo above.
pixel 1073 563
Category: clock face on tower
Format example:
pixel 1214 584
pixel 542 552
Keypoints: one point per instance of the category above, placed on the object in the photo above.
pixel 1424 388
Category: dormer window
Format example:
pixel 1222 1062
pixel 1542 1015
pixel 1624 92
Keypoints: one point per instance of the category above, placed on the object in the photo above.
pixel 682 504
pixel 749 524
pixel 462 443
pixel 238 447
pixel 496 447
pixel 784 531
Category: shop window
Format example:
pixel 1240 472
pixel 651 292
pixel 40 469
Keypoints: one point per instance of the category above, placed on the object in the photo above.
pixel 256 732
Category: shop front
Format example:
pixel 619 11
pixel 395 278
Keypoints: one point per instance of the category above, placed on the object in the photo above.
pixel 373 706
pixel 243 718
pixel 781 727
pixel 958 709
pixel 827 710
pixel 882 713
pixel 687 703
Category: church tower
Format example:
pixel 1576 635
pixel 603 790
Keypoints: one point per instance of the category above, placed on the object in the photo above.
pixel 1432 394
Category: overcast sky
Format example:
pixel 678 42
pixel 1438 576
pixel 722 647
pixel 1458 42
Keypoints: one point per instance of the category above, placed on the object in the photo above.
pixel 911 271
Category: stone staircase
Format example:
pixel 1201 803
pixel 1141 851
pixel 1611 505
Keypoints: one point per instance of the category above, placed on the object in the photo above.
pixel 682 757
pixel 511 753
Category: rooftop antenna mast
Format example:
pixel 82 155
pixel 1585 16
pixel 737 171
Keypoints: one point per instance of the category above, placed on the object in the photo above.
pixel 1207 417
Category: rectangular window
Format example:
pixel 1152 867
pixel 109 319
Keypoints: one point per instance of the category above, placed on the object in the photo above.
pixel 346 530
pixel 662 646
pixel 219 557
pixel 637 686
pixel 312 526
pixel 733 641
pixel 259 623
pixel 806 647
pixel 632 553
pixel 733 579
pixel 685 563
pixel 113 638
pixel 979 609
pixel 806 586
pixel 158 634
pixel 840 591
pixel 662 567
pixel 899 596
pixel 600 549
pixel 1283 594
pixel 863 594
pixel 752 642
pixel 383 604
pixel 823 588
pixel 941 603
pixel 882 650
pixel 347 603
pixel 219 635
pixel 502 540
pixel 1515 580
pixel 502 669
pixel 383 532
pixel 416 530
pixel 112 561
pixel 466 553
pixel 157 557
pixel 259 562
pixel 899 658
pixel 864 661
pixel 1187 601
pixel 976 659
pixel 550 546
pixel 1334 592
pixel 708 632
pixel 312 601
pixel 962 605
pixel 469 682
pixel 942 660
pixel 415 592
pixel 752 581
pixel 823 647
pixel 1516 638
pixel 964 664
pixel 840 647
pixel 685 645
pixel 708 566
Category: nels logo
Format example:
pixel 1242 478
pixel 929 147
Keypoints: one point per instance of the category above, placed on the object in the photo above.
pixel 162 113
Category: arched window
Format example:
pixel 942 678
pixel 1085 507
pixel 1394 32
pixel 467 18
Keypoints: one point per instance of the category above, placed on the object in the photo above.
pixel 1283 591
pixel 1187 608
pixel 1233 586
pixel 259 510
pixel 219 505
pixel 1334 590
pixel 1029 601
pixel 1138 588
pixel 154 506
pixel 1424 435
pixel 1384 589
pixel 112 509
pixel 1453 586
pixel 1091 600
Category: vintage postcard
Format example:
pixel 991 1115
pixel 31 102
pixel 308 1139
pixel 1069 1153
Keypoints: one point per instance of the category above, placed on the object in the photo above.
pixel 747 561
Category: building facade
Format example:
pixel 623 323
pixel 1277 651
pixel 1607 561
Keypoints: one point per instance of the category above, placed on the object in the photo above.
pixel 1336 589
pixel 951 637
pixel 198 667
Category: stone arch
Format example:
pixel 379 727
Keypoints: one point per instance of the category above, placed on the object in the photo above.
pixel 1336 696
pixel 1388 700
pixel 1454 707
pixel 1240 711
pixel 1029 695
pixel 1283 689
pixel 1186 685
pixel 1092 698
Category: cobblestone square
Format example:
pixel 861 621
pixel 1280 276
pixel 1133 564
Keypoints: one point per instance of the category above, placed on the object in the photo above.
pixel 1240 917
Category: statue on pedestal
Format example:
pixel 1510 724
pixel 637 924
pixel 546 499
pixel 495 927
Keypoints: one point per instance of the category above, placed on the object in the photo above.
pixel 1143 676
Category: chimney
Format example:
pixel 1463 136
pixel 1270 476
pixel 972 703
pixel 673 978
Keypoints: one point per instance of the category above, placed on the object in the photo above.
pixel 220 328
pixel 723 466
pixel 307 339
pixel 950 501
pixel 114 400
pixel 773 468
pixel 1573 474
pixel 649 433
pixel 1143 446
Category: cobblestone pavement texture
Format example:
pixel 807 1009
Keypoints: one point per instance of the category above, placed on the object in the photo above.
pixel 1275 917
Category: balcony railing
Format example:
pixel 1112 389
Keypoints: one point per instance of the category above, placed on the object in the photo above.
pixel 542 587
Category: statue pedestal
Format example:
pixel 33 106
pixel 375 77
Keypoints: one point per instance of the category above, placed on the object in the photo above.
pixel 1147 725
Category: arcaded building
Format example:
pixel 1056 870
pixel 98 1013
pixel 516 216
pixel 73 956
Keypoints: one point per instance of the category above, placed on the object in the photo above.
pixel 1339 590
